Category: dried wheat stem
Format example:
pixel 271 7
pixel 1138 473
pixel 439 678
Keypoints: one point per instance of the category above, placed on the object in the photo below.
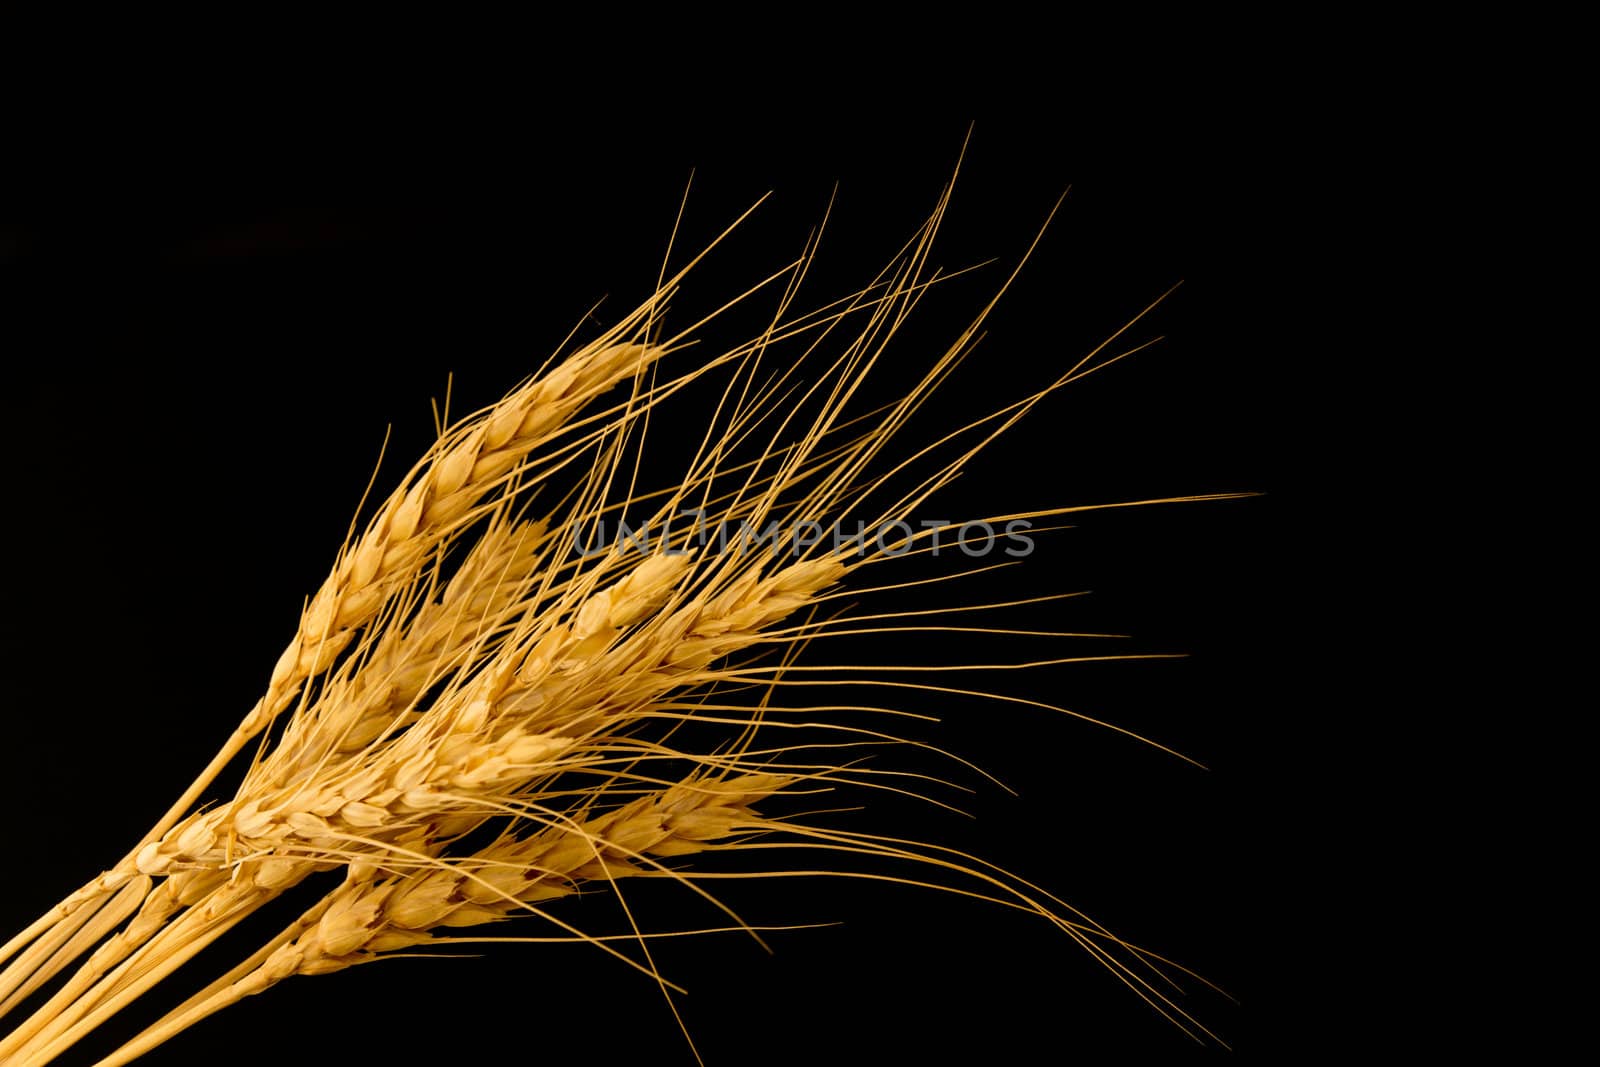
pixel 254 981
pixel 87 985
pixel 179 943
pixel 80 940
pixel 220 992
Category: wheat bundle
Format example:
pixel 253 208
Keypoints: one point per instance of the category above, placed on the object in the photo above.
pixel 484 712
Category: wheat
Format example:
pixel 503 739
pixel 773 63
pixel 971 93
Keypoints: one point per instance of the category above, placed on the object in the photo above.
pixel 435 499
pixel 463 667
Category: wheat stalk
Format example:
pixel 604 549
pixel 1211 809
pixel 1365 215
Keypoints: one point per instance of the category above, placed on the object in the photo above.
pixel 461 667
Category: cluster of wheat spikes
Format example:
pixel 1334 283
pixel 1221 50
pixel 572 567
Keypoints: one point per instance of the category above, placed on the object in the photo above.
pixel 474 720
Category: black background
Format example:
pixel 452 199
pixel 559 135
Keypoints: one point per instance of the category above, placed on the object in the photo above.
pixel 218 329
